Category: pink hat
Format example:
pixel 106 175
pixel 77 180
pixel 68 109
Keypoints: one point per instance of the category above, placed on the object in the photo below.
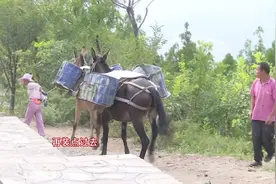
pixel 27 76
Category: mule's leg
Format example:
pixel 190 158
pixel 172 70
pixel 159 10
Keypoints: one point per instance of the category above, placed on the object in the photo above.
pixel 154 133
pixel 138 124
pixel 124 136
pixel 94 121
pixel 98 124
pixel 77 118
pixel 97 127
pixel 91 123
pixel 105 138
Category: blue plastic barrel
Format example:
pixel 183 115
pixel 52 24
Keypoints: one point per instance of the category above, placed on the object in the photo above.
pixel 99 89
pixel 116 67
pixel 68 75
pixel 156 76
pixel 159 80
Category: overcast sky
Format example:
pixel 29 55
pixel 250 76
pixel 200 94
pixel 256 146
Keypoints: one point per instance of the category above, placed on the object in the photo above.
pixel 226 23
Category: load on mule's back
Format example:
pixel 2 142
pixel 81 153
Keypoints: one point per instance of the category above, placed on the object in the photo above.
pixel 90 86
pixel 154 73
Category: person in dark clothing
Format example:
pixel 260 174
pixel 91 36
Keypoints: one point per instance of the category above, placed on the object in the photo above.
pixel 263 114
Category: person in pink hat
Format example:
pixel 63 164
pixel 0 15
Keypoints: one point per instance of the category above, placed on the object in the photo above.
pixel 35 100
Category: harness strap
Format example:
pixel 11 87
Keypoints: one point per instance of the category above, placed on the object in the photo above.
pixel 121 82
pixel 138 86
pixel 131 103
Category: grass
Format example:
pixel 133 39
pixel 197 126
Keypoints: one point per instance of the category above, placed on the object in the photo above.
pixel 196 140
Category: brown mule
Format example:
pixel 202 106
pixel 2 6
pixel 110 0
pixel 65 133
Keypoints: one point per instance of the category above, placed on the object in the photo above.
pixel 142 100
pixel 82 105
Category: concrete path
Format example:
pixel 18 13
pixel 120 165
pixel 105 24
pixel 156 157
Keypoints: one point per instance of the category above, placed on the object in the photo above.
pixel 27 158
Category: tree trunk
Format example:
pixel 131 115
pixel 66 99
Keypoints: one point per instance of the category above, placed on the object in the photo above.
pixel 36 61
pixel 131 16
pixel 13 83
pixel 12 100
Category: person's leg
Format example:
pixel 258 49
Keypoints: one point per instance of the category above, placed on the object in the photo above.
pixel 29 113
pixel 267 139
pixel 257 142
pixel 39 121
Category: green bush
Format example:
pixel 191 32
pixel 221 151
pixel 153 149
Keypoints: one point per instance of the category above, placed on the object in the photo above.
pixel 192 139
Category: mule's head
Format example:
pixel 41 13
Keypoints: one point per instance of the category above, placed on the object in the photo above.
pixel 99 63
pixel 79 60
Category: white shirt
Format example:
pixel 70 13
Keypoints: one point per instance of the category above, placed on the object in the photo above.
pixel 33 90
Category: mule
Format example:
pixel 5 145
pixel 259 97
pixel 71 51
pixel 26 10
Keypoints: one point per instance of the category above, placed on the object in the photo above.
pixel 82 105
pixel 93 109
pixel 138 98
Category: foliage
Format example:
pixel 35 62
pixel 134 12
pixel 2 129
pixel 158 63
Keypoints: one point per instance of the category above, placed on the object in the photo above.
pixel 20 25
pixel 194 139
pixel 230 62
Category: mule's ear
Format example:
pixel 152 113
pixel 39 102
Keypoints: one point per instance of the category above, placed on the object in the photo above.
pixel 93 53
pixel 81 58
pixel 83 51
pixel 106 54
pixel 75 53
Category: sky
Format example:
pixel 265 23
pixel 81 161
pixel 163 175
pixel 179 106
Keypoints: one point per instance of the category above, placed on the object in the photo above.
pixel 225 23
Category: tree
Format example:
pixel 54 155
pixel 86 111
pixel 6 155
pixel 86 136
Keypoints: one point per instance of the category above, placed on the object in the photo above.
pixel 186 53
pixel 230 62
pixel 189 47
pixel 129 7
pixel 20 25
pixel 259 47
pixel 172 55
pixel 156 42
pixel 186 36
pixel 248 52
pixel 270 54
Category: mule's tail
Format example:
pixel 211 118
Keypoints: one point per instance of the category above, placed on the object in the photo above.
pixel 162 122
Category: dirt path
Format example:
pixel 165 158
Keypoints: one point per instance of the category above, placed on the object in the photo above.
pixel 190 169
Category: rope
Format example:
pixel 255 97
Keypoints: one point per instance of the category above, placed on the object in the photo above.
pixel 129 102
pixel 138 86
